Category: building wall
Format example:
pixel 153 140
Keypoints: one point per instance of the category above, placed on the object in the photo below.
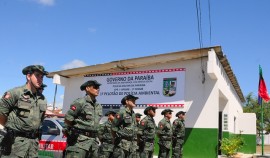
pixel 208 92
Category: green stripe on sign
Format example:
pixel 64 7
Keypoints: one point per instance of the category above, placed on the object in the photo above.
pixel 45 154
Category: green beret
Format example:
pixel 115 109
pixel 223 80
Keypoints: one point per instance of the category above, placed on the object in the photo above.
pixel 32 68
pixel 110 112
pixel 128 97
pixel 138 115
pixel 89 83
pixel 149 108
pixel 179 113
pixel 165 111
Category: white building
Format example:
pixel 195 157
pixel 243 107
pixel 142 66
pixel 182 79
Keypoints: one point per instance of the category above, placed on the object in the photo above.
pixel 206 88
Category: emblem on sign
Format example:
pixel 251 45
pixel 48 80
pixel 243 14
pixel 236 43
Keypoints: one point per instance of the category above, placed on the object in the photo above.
pixel 169 86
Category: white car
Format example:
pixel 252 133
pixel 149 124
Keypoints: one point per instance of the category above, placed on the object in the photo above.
pixel 53 142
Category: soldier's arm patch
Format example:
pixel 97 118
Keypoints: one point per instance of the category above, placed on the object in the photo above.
pixel 161 125
pixel 73 107
pixel 117 116
pixel 7 95
pixel 142 123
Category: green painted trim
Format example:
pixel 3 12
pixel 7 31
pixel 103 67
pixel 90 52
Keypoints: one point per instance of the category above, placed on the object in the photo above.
pixel 249 142
pixel 201 142
pixel 225 134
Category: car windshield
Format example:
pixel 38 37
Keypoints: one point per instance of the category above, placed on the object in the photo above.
pixel 61 122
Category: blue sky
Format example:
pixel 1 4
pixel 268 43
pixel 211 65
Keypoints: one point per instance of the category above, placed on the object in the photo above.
pixel 61 34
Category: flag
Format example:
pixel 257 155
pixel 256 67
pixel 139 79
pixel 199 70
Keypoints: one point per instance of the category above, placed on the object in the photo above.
pixel 262 87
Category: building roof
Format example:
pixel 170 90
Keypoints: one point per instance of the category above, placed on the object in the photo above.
pixel 127 64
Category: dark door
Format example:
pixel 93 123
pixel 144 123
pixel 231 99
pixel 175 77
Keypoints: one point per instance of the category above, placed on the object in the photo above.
pixel 219 131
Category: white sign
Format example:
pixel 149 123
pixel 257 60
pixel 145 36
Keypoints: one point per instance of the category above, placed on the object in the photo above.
pixel 163 87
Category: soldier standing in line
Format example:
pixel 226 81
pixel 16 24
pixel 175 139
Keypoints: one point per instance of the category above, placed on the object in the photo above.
pixel 147 132
pixel 178 135
pixel 124 130
pixel 164 132
pixel 138 118
pixel 22 111
pixel 82 122
pixel 105 136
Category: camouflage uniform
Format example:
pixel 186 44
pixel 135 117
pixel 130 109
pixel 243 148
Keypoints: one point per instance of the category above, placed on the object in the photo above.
pixel 105 136
pixel 147 132
pixel 25 112
pixel 138 119
pixel 82 140
pixel 124 125
pixel 164 132
pixel 178 136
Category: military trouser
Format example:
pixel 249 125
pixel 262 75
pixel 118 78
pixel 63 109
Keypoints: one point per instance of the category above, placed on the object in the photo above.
pixel 126 149
pixel 164 152
pixel 177 148
pixel 17 144
pixel 105 150
pixel 82 147
pixel 147 150
pixel 21 147
pixel 121 153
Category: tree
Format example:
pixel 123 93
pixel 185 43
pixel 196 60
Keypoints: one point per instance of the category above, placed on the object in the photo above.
pixel 252 106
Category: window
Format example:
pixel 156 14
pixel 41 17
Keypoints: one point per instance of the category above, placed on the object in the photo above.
pixel 46 125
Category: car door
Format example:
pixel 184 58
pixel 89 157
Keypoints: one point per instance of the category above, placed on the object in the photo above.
pixel 52 143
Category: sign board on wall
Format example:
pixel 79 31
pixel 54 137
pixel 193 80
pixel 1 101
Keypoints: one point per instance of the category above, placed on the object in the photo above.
pixel 161 88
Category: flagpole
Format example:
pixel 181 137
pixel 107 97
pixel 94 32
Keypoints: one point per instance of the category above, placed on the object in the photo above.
pixel 262 129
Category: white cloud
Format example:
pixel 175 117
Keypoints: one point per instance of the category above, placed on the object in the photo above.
pixel 74 64
pixel 45 2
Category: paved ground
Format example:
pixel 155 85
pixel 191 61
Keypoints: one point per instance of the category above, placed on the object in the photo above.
pixel 257 155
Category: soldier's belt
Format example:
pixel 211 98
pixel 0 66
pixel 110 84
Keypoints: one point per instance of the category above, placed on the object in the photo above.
pixel 86 133
pixel 165 139
pixel 108 141
pixel 30 135
pixel 149 140
pixel 128 138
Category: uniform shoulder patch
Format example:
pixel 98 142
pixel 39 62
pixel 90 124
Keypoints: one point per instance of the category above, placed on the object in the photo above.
pixel 117 116
pixel 73 107
pixel 7 95
pixel 161 125
pixel 142 123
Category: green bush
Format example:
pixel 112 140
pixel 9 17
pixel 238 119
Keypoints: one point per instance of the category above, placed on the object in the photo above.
pixel 230 146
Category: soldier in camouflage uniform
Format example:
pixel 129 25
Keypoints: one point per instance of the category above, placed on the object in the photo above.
pixel 147 132
pixel 82 122
pixel 22 111
pixel 105 136
pixel 164 132
pixel 178 135
pixel 124 130
pixel 138 118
